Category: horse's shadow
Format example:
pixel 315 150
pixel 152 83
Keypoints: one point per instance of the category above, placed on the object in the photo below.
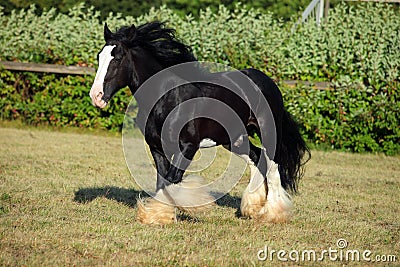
pixel 122 195
pixel 230 202
pixel 129 197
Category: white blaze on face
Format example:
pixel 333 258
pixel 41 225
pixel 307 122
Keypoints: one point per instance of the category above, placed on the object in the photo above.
pixel 96 93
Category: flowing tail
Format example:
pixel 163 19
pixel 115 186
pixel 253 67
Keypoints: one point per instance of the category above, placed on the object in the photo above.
pixel 292 153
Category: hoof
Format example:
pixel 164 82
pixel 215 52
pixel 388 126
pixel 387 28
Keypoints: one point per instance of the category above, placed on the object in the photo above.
pixel 252 204
pixel 276 212
pixel 152 211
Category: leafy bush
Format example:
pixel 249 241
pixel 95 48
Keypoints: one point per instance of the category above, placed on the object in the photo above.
pixel 354 117
pixel 56 100
pixel 356 48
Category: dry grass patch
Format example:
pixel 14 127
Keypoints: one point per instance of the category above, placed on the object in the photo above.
pixel 68 199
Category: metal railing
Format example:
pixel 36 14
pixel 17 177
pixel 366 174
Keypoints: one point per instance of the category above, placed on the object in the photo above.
pixel 314 10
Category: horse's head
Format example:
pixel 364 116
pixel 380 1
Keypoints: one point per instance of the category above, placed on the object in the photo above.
pixel 116 68
pixel 132 55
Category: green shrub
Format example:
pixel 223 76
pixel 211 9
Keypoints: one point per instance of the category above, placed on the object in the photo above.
pixel 57 100
pixel 356 48
pixel 353 118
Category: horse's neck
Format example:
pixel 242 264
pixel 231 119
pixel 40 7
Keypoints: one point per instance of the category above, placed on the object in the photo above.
pixel 145 66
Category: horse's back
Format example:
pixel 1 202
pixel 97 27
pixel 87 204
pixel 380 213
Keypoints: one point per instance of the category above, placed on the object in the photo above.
pixel 267 86
pixel 269 89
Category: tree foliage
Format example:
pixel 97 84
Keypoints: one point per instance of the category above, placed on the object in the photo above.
pixel 281 9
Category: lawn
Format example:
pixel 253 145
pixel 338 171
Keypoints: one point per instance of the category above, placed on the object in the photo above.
pixel 68 199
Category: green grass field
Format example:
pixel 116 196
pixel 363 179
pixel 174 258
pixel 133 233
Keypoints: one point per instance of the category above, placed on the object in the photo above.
pixel 68 199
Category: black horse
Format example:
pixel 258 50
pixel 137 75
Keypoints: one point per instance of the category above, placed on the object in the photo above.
pixel 132 55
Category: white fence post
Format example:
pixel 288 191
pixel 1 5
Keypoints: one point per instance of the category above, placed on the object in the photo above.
pixel 314 9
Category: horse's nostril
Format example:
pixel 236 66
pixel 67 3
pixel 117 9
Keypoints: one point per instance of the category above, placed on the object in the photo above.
pixel 99 95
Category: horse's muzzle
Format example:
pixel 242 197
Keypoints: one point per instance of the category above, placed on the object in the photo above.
pixel 98 99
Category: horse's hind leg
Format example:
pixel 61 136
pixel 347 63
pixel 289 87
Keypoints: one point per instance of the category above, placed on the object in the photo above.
pixel 254 196
pixel 278 207
pixel 264 198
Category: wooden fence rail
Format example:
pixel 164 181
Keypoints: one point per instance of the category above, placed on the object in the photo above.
pixel 80 70
pixel 50 68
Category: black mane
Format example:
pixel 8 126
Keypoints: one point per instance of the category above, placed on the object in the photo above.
pixel 159 40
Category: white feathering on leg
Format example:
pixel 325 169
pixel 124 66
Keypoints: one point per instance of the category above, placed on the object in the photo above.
pixel 157 210
pixel 254 196
pixel 278 207
pixel 191 195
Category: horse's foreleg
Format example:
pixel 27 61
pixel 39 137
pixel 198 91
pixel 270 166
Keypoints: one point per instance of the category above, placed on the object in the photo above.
pixel 160 209
pixel 162 166
pixel 180 162
pixel 189 194
pixel 157 210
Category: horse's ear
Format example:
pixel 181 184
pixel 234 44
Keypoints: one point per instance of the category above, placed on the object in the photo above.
pixel 132 32
pixel 107 33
